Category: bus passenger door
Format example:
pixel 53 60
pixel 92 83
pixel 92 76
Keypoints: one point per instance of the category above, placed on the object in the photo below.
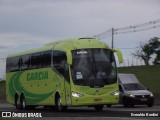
pixel 67 85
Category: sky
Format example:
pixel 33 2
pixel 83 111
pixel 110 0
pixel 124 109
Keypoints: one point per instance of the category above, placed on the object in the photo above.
pixel 27 24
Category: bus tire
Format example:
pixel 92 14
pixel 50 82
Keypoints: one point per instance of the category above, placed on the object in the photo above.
pixel 23 102
pixel 109 105
pixel 59 105
pixel 125 105
pixel 98 107
pixel 17 102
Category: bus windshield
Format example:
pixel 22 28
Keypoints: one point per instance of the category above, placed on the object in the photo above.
pixel 93 67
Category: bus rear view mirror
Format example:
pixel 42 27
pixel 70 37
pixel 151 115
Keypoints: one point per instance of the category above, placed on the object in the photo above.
pixel 119 54
pixel 69 57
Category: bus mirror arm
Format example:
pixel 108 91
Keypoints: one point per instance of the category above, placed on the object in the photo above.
pixel 119 54
pixel 69 57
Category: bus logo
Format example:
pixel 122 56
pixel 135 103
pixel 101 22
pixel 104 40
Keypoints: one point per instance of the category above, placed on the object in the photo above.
pixel 43 75
pixel 81 52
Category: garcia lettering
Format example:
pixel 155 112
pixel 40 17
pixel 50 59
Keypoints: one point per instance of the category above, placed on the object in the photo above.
pixel 43 75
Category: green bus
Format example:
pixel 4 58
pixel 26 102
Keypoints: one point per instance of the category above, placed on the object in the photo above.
pixel 73 72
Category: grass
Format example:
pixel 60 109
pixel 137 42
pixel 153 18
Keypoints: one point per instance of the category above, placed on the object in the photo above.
pixel 149 76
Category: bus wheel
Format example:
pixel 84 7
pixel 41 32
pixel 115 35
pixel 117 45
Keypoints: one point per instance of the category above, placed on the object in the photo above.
pixel 17 102
pixel 109 105
pixel 125 105
pixel 59 105
pixel 23 102
pixel 132 105
pixel 98 107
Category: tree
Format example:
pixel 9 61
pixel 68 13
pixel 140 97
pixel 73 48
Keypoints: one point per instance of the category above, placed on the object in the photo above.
pixel 157 59
pixel 146 50
pixel 155 43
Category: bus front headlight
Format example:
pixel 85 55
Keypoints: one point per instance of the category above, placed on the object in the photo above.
pixel 116 93
pixel 75 94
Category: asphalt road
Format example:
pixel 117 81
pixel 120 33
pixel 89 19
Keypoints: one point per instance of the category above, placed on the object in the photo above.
pixel 114 113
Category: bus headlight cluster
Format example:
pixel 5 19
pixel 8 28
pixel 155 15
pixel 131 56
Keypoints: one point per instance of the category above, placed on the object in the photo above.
pixel 75 94
pixel 116 93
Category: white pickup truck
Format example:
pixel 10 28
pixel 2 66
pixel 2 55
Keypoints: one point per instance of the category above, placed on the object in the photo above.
pixel 132 92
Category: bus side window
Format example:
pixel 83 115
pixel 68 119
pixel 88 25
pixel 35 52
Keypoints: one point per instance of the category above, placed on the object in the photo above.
pixel 8 65
pixel 36 60
pixel 25 62
pixel 13 64
pixel 46 58
pixel 60 63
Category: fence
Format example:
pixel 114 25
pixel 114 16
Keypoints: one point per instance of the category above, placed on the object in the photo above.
pixel 132 61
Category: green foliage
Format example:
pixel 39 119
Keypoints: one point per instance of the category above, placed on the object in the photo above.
pixel 155 45
pixel 145 51
pixel 149 76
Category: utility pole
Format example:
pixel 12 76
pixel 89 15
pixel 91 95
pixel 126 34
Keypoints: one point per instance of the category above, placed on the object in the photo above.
pixel 112 38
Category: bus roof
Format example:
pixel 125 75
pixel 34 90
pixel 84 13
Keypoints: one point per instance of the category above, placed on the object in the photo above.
pixel 64 45
pixel 77 43
pixel 44 48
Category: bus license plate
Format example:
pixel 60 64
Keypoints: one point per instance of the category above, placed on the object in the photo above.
pixel 97 100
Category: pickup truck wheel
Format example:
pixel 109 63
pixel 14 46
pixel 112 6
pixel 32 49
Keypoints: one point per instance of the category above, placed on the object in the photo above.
pixel 150 104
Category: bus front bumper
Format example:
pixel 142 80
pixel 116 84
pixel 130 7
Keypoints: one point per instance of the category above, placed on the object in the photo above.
pixel 94 100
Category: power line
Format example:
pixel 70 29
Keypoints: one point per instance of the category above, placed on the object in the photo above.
pixel 130 29
pixel 125 48
pixel 138 30
pixel 140 25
